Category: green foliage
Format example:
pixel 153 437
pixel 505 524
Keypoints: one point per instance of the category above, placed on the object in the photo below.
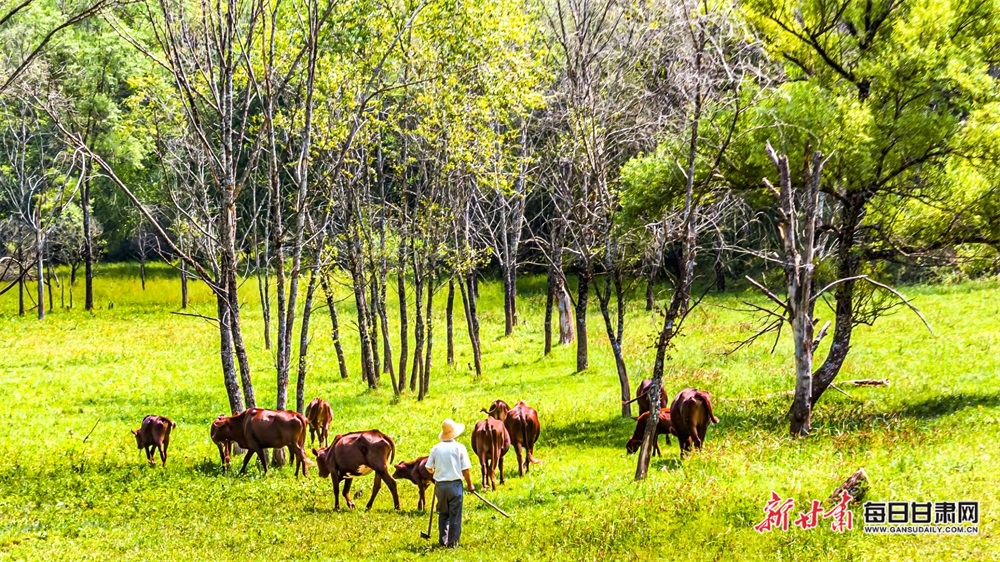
pixel 931 436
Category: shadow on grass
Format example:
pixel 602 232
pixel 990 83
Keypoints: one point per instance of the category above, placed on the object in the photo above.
pixel 611 433
pixel 938 406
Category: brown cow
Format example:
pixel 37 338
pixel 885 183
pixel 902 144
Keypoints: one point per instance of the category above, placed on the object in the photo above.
pixel 522 425
pixel 415 471
pixel 642 396
pixel 356 454
pixel 490 442
pixel 663 427
pixel 256 429
pixel 690 414
pixel 320 415
pixel 154 434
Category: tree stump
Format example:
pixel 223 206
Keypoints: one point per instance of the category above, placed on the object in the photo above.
pixel 857 485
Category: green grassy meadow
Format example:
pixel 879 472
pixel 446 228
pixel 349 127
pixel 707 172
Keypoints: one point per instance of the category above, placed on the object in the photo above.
pixel 933 435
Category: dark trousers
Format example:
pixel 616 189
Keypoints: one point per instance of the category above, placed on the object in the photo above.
pixel 449 504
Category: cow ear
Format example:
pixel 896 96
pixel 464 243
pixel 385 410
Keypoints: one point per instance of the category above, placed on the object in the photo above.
pixel 135 432
pixel 315 452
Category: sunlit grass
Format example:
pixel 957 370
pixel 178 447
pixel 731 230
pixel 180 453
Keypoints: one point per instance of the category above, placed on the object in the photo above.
pixel 932 435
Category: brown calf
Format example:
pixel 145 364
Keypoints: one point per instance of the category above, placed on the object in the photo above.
pixel 415 471
pixel 490 442
pixel 256 429
pixel 522 425
pixel 154 435
pixel 690 414
pixel 663 427
pixel 354 455
pixel 320 415
pixel 643 396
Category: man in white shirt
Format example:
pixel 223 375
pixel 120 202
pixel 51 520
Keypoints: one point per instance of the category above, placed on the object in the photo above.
pixel 449 463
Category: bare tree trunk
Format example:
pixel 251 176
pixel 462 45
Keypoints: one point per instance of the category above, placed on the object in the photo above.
pixel 612 284
pixel 425 379
pixel 418 333
pixel 583 290
pixel 361 301
pixel 184 285
pixel 239 347
pixel 509 312
pixel 374 320
pixel 680 300
pixel 403 318
pixel 39 252
pixel 472 321
pixel 335 330
pixel 550 299
pixel 226 354
pixel 848 266
pixel 449 320
pixel 386 345
pixel 52 305
pixel 88 246
pixel 20 280
pixel 300 383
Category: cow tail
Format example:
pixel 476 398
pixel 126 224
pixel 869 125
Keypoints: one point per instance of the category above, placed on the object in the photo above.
pixel 392 449
pixel 711 416
pixel 302 442
pixel 309 408
pixel 524 435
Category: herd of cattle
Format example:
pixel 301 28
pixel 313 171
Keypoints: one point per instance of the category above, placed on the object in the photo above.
pixel 357 454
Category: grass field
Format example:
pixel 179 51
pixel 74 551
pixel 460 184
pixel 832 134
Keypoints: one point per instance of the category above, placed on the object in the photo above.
pixel 933 435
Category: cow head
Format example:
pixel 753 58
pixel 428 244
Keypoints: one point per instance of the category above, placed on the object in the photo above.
pixel 222 437
pixel 402 470
pixel 321 455
pixel 632 445
pixel 138 439
pixel 498 410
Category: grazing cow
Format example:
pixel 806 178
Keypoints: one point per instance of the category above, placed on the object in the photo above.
pixel 154 435
pixel 256 429
pixel 356 454
pixel 320 415
pixel 522 425
pixel 642 396
pixel 490 442
pixel 415 471
pixel 663 427
pixel 690 414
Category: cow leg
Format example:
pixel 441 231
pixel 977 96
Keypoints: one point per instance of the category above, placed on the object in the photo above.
pixel 336 492
pixel 301 459
pixel 520 465
pixel 375 488
pixel 482 471
pixel 347 492
pixel 149 454
pixel 656 447
pixel 312 436
pixel 246 460
pixel 421 502
pixel 500 465
pixel 162 447
pixel 390 482
pixel 263 459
